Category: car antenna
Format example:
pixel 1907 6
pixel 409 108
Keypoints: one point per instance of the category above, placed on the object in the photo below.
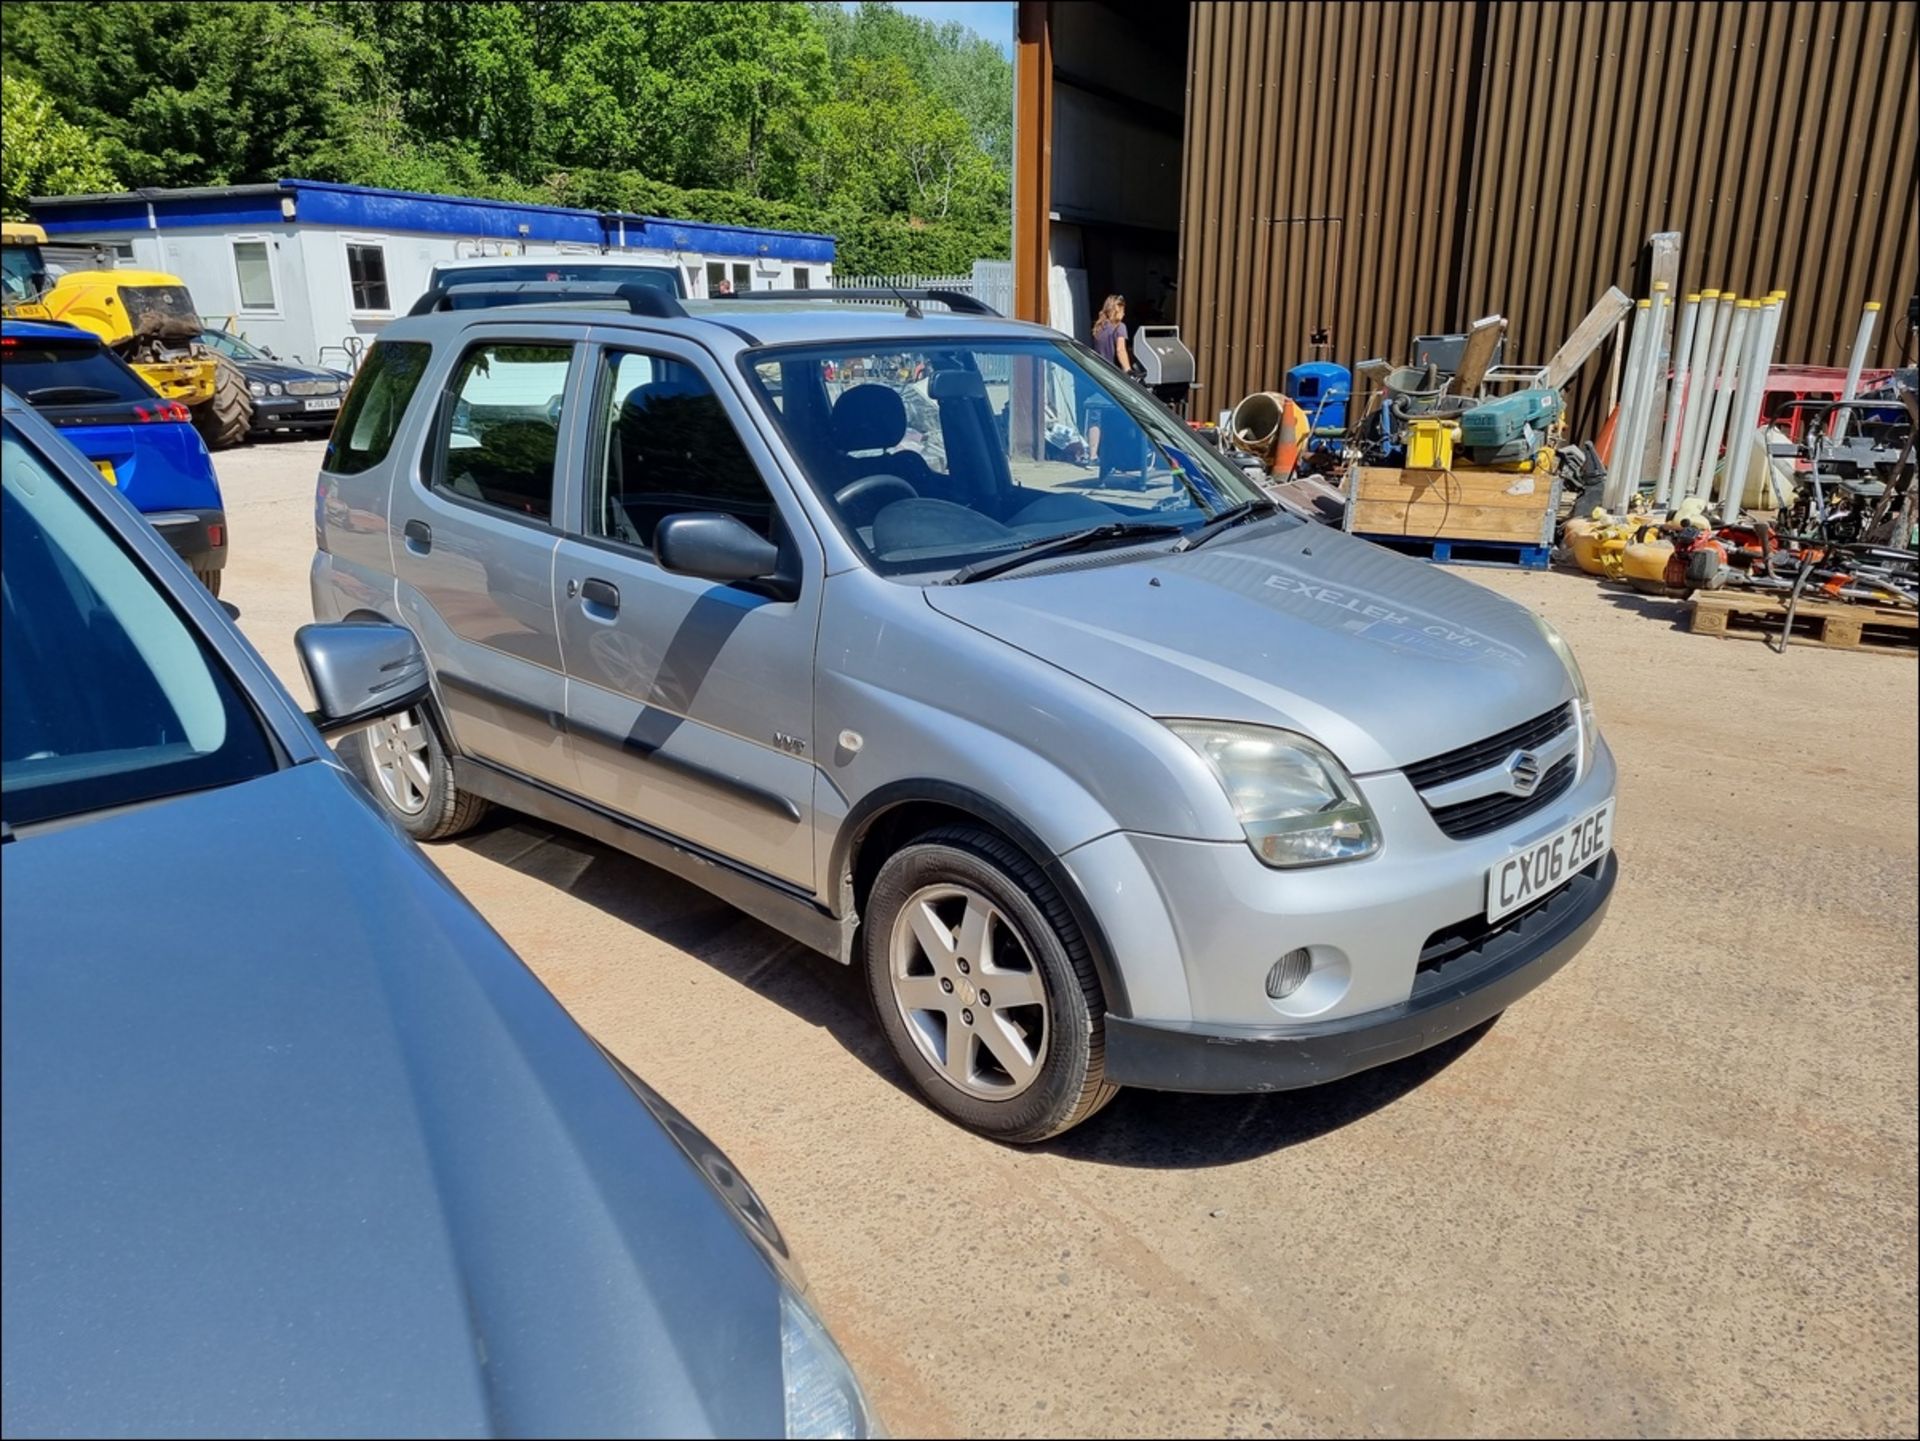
pixel 913 309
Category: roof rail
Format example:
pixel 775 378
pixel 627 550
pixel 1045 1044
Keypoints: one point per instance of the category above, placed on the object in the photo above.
pixel 640 299
pixel 957 301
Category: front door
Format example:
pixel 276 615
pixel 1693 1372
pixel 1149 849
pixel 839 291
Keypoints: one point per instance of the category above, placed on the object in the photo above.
pixel 689 703
pixel 474 549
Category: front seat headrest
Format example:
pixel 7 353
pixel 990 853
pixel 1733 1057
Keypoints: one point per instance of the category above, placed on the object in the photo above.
pixel 869 417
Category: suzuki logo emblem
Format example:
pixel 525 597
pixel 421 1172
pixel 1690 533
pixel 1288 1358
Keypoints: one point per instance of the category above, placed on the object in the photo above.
pixel 1523 772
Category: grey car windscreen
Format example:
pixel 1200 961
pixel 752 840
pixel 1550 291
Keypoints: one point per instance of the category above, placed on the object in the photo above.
pixel 109 696
pixel 947 455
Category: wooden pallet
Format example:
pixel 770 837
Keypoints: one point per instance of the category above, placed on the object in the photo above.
pixel 1815 622
pixel 1467 552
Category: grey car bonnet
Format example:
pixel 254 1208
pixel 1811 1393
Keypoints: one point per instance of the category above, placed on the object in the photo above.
pixel 1300 627
pixel 295 1144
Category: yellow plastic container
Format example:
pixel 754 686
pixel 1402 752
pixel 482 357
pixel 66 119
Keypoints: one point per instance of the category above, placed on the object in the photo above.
pixel 1430 445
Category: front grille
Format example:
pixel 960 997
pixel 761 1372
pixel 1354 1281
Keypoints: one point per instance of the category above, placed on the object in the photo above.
pixel 312 387
pixel 1484 755
pixel 1453 953
pixel 1489 813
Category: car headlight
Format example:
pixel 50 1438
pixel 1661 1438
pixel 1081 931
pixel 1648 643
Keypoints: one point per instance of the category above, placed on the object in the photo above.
pixel 1297 804
pixel 823 1398
pixel 1589 733
pixel 276 388
pixel 256 387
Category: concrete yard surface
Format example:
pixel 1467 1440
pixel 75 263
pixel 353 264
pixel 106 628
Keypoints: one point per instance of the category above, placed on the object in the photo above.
pixel 1671 1192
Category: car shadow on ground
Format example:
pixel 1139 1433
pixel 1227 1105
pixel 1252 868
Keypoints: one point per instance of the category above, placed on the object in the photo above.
pixel 1162 1130
pixel 819 991
pixel 1149 1129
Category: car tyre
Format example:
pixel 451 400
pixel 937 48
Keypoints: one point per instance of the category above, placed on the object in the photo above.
pixel 210 579
pixel 950 916
pixel 403 762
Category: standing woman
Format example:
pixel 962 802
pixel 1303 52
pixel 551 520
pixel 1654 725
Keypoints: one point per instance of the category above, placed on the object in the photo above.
pixel 1110 333
pixel 1110 340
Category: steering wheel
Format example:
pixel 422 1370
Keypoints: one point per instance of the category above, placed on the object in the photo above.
pixel 869 488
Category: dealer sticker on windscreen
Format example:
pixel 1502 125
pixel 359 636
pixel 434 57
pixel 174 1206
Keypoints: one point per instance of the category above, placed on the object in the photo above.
pixel 1522 879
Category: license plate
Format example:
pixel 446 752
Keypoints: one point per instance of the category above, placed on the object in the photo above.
pixel 332 402
pixel 1521 879
pixel 106 472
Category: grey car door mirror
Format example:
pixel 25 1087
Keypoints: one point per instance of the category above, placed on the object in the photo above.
pixel 713 546
pixel 360 672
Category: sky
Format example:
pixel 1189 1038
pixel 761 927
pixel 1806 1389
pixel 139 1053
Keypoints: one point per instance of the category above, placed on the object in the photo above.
pixel 992 19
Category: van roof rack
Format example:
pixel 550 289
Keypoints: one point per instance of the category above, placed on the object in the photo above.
pixel 957 301
pixel 641 299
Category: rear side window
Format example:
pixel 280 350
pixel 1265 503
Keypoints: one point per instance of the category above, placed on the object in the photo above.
pixel 57 372
pixel 376 405
pixel 501 427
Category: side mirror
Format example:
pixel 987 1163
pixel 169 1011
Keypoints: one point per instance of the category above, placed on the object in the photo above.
pixel 361 672
pixel 713 546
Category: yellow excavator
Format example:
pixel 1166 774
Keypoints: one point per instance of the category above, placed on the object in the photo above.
pixel 146 317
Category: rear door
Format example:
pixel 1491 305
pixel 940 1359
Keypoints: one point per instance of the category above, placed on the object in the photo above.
pixel 689 703
pixel 474 543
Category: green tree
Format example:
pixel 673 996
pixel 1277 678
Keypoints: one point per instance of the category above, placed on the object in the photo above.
pixel 41 154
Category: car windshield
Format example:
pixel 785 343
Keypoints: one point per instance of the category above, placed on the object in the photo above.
pixel 231 345
pixel 67 372
pixel 959 452
pixel 108 696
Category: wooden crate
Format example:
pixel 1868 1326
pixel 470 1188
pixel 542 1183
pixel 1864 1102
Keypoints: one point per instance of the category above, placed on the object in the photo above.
pixel 1839 626
pixel 1458 504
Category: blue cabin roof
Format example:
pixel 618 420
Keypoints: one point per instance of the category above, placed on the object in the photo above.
pixel 365 207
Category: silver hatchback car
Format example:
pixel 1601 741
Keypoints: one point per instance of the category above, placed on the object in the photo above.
pixel 930 640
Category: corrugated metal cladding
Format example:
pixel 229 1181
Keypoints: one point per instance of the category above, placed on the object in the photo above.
pixel 1380 171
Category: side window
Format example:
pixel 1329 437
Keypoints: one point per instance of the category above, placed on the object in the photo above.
pixel 367 278
pixel 253 268
pixel 376 405
pixel 665 444
pixel 502 426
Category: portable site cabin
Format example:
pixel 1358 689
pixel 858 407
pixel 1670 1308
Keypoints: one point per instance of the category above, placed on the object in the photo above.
pixel 314 270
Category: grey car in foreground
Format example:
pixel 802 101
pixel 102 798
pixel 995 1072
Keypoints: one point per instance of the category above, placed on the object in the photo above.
pixel 928 639
pixel 293 1142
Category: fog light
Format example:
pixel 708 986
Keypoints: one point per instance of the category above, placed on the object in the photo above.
pixel 1289 973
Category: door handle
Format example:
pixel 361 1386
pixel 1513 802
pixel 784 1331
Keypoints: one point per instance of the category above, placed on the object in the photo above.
pixel 419 537
pixel 602 593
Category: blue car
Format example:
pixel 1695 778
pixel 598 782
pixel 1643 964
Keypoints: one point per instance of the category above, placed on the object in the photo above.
pixel 139 442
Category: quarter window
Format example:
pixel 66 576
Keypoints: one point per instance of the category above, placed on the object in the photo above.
pixel 253 267
pixel 665 445
pixel 502 427
pixel 367 277
pixel 376 405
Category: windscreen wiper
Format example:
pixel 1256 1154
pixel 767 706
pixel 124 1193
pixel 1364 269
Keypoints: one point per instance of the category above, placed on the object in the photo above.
pixel 1227 519
pixel 1086 539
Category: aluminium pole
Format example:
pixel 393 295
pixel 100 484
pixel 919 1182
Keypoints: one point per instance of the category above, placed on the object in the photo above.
pixel 1862 338
pixel 1623 413
pixel 1676 393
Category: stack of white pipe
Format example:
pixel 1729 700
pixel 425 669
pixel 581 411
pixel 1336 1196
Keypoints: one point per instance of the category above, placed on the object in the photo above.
pixel 1723 398
pixel 1708 342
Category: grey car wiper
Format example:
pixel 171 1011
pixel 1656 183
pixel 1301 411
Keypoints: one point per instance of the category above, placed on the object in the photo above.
pixel 1227 520
pixel 1062 544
